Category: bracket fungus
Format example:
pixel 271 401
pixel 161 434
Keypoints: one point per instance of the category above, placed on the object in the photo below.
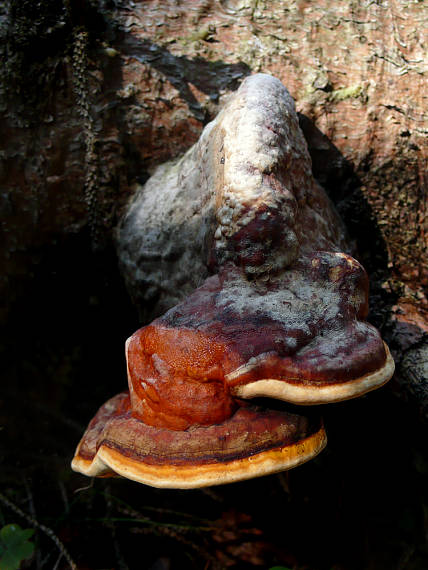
pixel 242 248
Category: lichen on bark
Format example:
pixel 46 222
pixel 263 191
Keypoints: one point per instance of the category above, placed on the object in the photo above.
pixel 356 71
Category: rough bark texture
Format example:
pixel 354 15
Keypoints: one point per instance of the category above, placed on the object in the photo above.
pixel 157 71
pixel 152 74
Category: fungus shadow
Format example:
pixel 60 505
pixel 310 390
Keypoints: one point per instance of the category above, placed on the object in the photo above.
pixel 337 176
pixel 79 319
pixel 209 77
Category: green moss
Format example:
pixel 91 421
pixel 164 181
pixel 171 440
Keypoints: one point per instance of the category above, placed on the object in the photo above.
pixel 351 92
pixel 204 34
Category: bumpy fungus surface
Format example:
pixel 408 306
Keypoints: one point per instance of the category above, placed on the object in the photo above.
pixel 280 313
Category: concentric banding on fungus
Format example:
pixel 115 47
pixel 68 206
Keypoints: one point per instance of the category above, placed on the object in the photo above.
pixel 300 338
pixel 252 443
pixel 282 315
pixel 314 393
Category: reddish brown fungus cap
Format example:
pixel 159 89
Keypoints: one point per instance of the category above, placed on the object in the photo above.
pixel 251 443
pixel 298 338
pixel 282 316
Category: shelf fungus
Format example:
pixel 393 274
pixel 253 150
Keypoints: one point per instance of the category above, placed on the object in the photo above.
pixel 240 251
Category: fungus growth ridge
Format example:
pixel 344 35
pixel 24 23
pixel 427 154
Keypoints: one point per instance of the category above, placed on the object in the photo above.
pixel 240 251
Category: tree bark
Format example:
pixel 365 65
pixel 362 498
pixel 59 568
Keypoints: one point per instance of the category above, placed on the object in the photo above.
pixel 94 94
pixel 152 74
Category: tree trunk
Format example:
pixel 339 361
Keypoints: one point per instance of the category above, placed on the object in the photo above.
pixel 152 74
pixel 94 95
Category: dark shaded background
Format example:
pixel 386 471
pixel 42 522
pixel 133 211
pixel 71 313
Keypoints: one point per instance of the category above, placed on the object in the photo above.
pixel 361 504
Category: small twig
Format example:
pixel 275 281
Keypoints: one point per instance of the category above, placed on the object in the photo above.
pixel 45 559
pixel 64 496
pixel 176 526
pixel 80 489
pixel 58 561
pixel 158 510
pixel 33 522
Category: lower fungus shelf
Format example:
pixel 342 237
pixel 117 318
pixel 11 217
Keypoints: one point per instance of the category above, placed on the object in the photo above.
pixel 252 443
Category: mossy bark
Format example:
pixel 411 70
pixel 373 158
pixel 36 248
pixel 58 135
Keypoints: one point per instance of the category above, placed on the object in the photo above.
pixel 158 71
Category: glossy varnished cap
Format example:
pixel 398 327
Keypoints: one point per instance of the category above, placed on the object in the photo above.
pixel 239 238
pixel 251 443
pixel 300 337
